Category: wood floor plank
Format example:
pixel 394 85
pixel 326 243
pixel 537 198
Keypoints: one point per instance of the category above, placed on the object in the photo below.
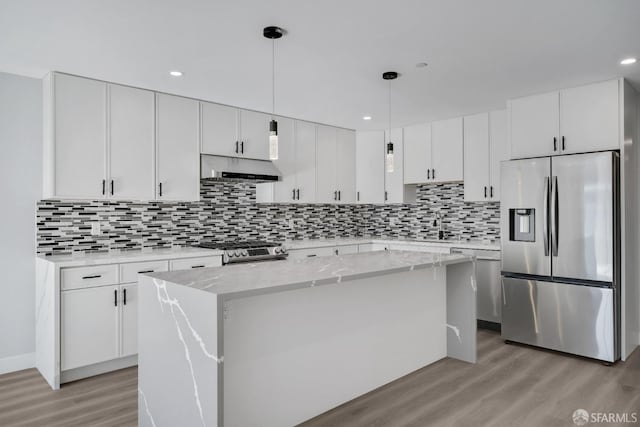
pixel 510 385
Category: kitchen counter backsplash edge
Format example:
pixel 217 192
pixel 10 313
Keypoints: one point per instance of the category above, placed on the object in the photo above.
pixel 228 211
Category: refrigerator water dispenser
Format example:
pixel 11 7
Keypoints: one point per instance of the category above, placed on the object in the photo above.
pixel 522 225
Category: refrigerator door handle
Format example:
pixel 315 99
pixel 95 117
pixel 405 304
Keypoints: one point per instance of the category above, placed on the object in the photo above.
pixel 545 212
pixel 554 216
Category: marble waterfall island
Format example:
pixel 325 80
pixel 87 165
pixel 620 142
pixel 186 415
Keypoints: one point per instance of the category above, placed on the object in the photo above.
pixel 276 343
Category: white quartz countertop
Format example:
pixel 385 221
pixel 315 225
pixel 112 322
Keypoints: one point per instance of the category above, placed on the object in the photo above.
pixel 319 243
pixel 240 280
pixel 128 256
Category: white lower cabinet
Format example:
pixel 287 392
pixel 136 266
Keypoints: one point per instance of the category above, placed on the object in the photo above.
pixel 99 309
pixel 89 326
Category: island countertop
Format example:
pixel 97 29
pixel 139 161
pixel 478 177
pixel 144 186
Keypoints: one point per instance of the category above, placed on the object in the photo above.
pixel 240 280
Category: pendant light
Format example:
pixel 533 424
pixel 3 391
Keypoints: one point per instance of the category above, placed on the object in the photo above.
pixel 389 75
pixel 273 33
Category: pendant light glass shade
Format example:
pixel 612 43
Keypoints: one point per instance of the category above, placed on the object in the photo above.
pixel 273 140
pixel 389 159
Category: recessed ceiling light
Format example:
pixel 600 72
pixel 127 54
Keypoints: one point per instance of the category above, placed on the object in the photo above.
pixel 175 73
pixel 366 118
pixel 628 61
pixel 421 65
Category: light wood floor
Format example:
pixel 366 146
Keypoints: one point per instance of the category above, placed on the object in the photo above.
pixel 510 385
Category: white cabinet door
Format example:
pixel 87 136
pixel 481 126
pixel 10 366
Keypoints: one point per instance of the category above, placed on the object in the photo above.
pixel 534 124
pixel 370 167
pixel 88 326
pixel 129 320
pixel 476 158
pixel 305 162
pixel 446 149
pixel 296 254
pixel 589 118
pixel 327 191
pixel 283 191
pixel 395 190
pixel 219 130
pixel 498 150
pixel 131 143
pixel 346 164
pixel 178 158
pixel 80 130
pixel 417 154
pixel 254 135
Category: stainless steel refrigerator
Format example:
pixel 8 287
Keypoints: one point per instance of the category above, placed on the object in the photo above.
pixel 561 253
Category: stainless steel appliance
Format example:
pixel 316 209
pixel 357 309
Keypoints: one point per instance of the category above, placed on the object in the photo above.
pixel 489 291
pixel 560 253
pixel 247 251
pixel 221 168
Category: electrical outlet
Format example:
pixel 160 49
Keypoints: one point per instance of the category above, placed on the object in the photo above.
pixel 95 228
pixel 292 224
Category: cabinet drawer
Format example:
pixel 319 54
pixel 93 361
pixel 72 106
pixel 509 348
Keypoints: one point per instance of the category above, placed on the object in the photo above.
pixel 86 277
pixel 202 262
pixel 312 252
pixel 129 272
pixel 420 248
pixel 348 249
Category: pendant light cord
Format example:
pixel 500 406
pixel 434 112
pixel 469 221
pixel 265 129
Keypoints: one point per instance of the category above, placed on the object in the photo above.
pixel 389 111
pixel 273 76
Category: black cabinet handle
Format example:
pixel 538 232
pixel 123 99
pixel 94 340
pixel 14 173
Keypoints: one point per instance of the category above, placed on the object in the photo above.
pixel 485 191
pixel 104 183
pixel 298 194
pixel 112 187
pixel 160 189
pixel 555 144
pixel 242 147
pixel 197 266
pixel 237 142
pixel 563 143
pixel 124 292
pixel 145 271
pixel 335 195
pixel 358 196
pixel 311 255
pixel 95 276
pixel 115 298
pixel 491 192
pixel 293 194
pixel 386 196
pixel 433 174
pixel 339 193
pixel 428 173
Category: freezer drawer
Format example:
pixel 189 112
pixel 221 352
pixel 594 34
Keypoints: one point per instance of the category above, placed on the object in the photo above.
pixel 571 318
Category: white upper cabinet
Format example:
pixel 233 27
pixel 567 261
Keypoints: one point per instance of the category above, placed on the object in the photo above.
pixel 178 157
pixel 254 135
pixel 395 190
pixel 219 130
pixel 534 124
pixel 370 167
pixel 346 162
pixel 446 150
pixel 305 135
pixel 327 191
pixel 476 157
pixel 417 154
pixel 232 132
pixel 485 146
pixel 576 120
pixel 75 142
pixel 589 118
pixel 131 143
pixel 498 149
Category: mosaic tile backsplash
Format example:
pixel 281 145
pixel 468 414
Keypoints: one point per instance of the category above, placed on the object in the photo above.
pixel 228 211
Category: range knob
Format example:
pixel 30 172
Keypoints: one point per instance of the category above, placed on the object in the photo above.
pixel 230 254
pixel 238 253
pixel 244 252
pixel 277 250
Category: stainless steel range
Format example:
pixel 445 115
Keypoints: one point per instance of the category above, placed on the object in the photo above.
pixel 247 250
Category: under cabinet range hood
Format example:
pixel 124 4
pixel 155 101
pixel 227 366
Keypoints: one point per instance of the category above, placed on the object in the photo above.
pixel 221 168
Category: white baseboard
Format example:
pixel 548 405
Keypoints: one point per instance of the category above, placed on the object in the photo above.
pixel 17 363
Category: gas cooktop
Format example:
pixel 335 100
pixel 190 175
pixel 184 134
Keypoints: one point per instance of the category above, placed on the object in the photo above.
pixel 246 250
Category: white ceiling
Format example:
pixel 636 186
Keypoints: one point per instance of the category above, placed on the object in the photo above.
pixel 329 65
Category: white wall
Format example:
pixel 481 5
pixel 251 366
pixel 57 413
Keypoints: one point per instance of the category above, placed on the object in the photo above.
pixel 20 188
